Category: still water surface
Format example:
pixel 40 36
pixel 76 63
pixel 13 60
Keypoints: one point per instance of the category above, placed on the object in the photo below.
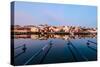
pixel 38 49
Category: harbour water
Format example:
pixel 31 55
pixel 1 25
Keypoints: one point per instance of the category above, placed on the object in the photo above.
pixel 44 49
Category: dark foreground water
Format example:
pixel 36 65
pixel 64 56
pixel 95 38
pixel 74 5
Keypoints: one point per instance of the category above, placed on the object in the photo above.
pixel 36 49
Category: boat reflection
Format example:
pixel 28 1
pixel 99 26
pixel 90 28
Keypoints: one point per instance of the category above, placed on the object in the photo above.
pixel 45 37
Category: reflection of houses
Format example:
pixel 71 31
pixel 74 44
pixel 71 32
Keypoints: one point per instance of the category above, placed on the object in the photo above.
pixel 57 36
pixel 34 36
pixel 22 36
pixel 45 37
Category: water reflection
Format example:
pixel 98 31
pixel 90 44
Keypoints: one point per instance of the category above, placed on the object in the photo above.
pixel 40 49
pixel 45 37
pixel 92 48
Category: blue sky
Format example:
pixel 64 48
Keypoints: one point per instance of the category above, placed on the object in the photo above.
pixel 27 13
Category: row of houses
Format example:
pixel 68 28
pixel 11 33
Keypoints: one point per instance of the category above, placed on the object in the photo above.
pixel 52 29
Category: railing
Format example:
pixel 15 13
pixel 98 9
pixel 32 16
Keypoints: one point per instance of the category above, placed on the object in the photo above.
pixel 23 47
pixel 70 44
pixel 92 42
pixel 40 51
pixel 76 54
pixel 89 43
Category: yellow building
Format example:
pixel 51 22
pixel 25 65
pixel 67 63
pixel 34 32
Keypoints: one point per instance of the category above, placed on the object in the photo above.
pixel 34 29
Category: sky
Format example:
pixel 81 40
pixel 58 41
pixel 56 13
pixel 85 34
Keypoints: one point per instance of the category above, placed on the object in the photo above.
pixel 32 13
